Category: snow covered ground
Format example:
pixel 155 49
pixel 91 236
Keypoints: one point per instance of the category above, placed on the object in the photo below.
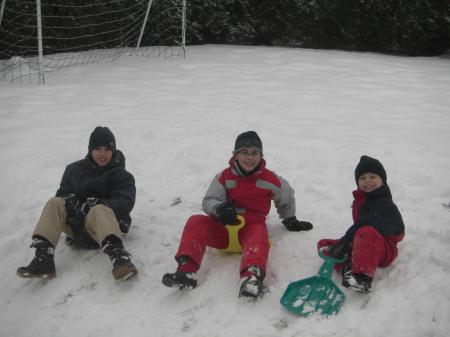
pixel 316 111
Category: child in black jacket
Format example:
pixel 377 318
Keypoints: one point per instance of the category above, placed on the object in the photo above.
pixel 371 241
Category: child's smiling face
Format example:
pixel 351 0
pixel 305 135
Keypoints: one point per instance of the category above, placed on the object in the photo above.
pixel 369 182
pixel 248 157
pixel 102 155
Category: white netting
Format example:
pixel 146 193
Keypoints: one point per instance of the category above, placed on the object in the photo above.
pixel 78 32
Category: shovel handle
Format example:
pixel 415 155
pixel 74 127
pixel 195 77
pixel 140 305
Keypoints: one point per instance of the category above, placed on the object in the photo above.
pixel 326 257
pixel 326 270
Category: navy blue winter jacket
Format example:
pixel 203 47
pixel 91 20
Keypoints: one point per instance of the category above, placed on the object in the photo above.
pixel 376 209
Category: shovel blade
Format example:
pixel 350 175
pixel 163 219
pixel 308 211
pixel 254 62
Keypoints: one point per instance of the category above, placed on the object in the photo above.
pixel 314 294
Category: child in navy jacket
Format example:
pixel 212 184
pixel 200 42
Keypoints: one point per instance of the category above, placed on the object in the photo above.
pixel 371 241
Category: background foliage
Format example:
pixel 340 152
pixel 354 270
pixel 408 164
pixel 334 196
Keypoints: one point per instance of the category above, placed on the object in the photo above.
pixel 410 27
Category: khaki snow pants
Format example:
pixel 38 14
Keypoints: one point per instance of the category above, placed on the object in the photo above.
pixel 100 222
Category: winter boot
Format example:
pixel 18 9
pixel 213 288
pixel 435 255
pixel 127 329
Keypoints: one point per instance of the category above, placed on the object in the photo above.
pixel 43 264
pixel 251 284
pixel 346 272
pixel 123 269
pixel 180 279
pixel 358 282
pixel 185 277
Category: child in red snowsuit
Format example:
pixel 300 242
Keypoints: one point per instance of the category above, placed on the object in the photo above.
pixel 245 188
pixel 371 241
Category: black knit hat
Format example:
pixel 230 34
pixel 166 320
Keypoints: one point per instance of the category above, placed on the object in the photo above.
pixel 102 136
pixel 247 139
pixel 368 164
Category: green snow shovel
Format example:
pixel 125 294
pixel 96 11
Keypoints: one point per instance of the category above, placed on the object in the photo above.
pixel 315 294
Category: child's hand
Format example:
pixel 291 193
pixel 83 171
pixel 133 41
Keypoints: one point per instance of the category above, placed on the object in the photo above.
pixel 339 250
pixel 294 225
pixel 227 214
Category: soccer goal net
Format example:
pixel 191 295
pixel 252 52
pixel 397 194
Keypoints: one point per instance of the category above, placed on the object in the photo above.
pixel 39 36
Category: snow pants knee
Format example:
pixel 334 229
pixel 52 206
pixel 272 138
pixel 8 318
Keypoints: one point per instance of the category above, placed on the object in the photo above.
pixel 370 250
pixel 100 222
pixel 203 231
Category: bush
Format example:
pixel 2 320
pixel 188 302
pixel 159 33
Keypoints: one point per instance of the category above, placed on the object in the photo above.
pixel 412 27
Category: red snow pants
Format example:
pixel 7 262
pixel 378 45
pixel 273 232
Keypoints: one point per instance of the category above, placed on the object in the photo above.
pixel 203 231
pixel 370 250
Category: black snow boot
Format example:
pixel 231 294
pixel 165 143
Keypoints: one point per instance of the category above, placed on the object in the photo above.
pixel 346 272
pixel 123 269
pixel 252 284
pixel 180 280
pixel 43 264
pixel 358 282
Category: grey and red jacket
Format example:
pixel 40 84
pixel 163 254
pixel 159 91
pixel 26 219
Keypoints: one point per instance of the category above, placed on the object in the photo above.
pixel 113 184
pixel 250 195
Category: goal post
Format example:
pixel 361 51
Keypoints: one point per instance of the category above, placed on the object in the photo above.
pixel 143 24
pixel 2 8
pixel 39 36
pixel 39 40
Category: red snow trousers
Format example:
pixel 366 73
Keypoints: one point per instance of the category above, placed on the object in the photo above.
pixel 203 231
pixel 370 250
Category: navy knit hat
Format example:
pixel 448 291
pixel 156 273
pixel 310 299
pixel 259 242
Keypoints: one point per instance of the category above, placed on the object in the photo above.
pixel 102 136
pixel 368 164
pixel 247 139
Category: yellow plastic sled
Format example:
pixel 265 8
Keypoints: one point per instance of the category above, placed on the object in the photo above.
pixel 234 246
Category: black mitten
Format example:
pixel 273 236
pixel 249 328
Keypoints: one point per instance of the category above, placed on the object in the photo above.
pixel 75 219
pixel 294 225
pixel 227 214
pixel 71 204
pixel 89 203
pixel 340 249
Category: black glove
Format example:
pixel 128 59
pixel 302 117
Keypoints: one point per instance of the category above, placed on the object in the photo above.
pixel 294 225
pixel 75 219
pixel 340 249
pixel 227 214
pixel 89 203
pixel 72 205
pixel 124 225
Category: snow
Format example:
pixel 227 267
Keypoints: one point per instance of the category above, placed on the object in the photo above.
pixel 176 121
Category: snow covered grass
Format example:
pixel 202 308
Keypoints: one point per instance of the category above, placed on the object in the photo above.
pixel 176 121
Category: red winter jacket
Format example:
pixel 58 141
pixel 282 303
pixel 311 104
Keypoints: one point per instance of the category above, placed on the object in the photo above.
pixel 252 195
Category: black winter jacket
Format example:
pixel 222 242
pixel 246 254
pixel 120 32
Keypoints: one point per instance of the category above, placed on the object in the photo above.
pixel 376 209
pixel 112 184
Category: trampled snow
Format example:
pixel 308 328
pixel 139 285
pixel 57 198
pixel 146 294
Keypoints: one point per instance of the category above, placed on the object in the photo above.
pixel 176 121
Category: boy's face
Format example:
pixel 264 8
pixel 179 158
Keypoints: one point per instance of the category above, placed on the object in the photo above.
pixel 369 182
pixel 248 157
pixel 102 155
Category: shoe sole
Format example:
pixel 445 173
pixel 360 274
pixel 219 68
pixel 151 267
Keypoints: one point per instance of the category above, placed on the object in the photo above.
pixel 169 282
pixel 346 282
pixel 245 294
pixel 355 288
pixel 360 290
pixel 252 296
pixel 46 276
pixel 124 273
